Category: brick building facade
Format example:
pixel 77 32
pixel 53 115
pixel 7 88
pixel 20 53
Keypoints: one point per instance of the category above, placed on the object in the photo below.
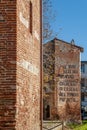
pixel 20 61
pixel 62 98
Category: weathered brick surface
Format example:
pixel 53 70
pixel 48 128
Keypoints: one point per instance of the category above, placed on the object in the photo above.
pixel 67 74
pixel 7 64
pixel 19 65
pixel 66 93
pixel 28 67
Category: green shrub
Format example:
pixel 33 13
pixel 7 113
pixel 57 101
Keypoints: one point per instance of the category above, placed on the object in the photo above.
pixel 75 126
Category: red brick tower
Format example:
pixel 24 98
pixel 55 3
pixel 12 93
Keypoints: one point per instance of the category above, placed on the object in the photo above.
pixel 20 46
pixel 61 67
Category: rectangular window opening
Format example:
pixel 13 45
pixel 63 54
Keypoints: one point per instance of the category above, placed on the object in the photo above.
pixel 83 68
pixel 30 13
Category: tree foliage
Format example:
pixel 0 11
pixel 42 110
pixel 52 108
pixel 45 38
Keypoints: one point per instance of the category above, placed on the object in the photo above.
pixel 48 17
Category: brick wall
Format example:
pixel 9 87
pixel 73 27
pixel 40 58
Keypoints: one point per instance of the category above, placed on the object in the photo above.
pixel 19 65
pixel 28 66
pixel 67 75
pixel 7 64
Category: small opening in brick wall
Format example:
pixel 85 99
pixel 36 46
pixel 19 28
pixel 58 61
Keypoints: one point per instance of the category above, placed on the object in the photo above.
pixel 30 18
pixel 60 50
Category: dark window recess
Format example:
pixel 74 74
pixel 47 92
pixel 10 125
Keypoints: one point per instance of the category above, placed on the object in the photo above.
pixel 82 97
pixel 30 17
pixel 82 68
pixel 48 111
pixel 82 82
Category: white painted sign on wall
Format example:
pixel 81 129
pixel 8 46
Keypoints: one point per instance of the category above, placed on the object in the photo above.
pixel 28 66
